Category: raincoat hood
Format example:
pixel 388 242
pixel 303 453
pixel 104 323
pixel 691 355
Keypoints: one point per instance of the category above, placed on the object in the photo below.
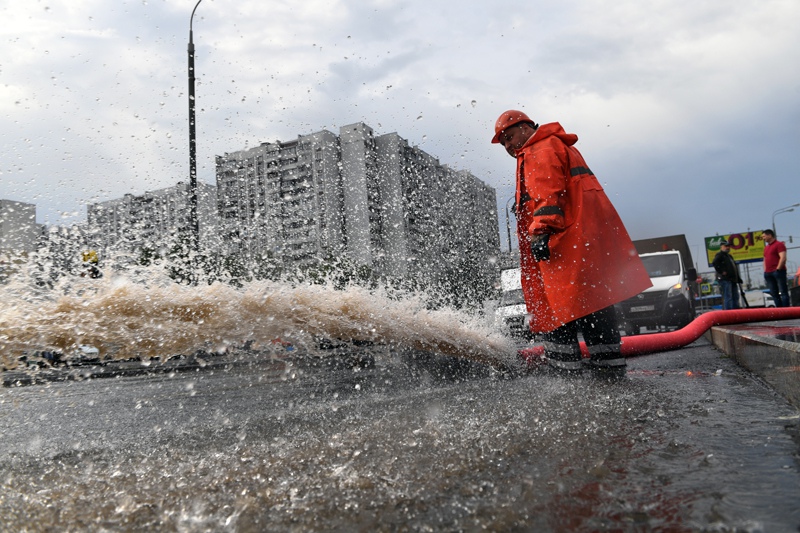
pixel 553 129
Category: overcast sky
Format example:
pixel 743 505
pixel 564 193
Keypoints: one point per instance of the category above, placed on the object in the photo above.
pixel 688 111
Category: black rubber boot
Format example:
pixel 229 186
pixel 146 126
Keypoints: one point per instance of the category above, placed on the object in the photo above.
pixel 563 359
pixel 606 362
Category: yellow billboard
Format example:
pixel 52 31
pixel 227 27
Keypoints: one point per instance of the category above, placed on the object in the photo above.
pixel 745 247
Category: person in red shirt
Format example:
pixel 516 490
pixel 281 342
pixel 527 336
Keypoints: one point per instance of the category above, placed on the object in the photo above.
pixel 775 268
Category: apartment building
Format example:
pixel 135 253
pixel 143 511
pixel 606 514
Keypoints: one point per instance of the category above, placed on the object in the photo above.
pixel 152 219
pixel 282 200
pixel 19 232
pixel 373 199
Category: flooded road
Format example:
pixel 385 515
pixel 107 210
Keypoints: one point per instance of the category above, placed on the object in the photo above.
pixel 688 442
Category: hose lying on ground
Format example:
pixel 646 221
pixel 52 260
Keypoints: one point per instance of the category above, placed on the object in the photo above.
pixel 660 342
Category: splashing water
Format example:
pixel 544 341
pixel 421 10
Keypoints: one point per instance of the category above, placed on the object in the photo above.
pixel 145 314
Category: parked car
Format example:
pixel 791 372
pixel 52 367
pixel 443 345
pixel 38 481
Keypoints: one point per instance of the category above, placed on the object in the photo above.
pixel 511 313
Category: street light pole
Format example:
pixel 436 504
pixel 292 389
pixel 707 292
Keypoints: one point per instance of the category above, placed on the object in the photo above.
pixel 193 221
pixel 508 223
pixel 786 209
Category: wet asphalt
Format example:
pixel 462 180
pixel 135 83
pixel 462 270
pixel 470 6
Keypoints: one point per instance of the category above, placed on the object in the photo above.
pixel 709 444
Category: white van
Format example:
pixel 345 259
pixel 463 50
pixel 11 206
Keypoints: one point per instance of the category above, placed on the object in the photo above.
pixel 758 299
pixel 669 302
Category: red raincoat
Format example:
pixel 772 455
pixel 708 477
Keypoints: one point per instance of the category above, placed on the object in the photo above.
pixel 593 263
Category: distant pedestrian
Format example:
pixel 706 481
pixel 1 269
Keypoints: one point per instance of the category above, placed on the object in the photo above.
pixel 727 275
pixel 775 268
pixel 576 257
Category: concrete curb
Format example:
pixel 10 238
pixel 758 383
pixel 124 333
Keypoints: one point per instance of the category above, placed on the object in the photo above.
pixel 770 350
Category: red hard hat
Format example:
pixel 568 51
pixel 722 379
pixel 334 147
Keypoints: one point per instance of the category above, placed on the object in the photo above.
pixel 506 120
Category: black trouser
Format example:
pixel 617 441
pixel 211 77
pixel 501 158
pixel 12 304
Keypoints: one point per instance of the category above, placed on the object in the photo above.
pixel 600 333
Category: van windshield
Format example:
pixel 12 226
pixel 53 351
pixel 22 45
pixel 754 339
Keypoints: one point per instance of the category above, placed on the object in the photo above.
pixel 512 298
pixel 659 266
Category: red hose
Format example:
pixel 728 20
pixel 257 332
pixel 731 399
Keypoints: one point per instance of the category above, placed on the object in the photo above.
pixel 660 342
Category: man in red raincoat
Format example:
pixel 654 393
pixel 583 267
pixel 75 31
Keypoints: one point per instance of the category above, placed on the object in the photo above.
pixel 576 257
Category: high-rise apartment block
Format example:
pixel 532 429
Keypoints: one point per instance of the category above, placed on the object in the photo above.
pixel 152 219
pixel 372 199
pixel 19 232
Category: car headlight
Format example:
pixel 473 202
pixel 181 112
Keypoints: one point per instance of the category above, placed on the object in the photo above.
pixel 675 290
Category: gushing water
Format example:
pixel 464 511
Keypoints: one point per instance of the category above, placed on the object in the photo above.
pixel 327 447
pixel 145 314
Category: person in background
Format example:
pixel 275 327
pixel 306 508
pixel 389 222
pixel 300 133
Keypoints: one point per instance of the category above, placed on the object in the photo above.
pixel 576 257
pixel 727 275
pixel 775 268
